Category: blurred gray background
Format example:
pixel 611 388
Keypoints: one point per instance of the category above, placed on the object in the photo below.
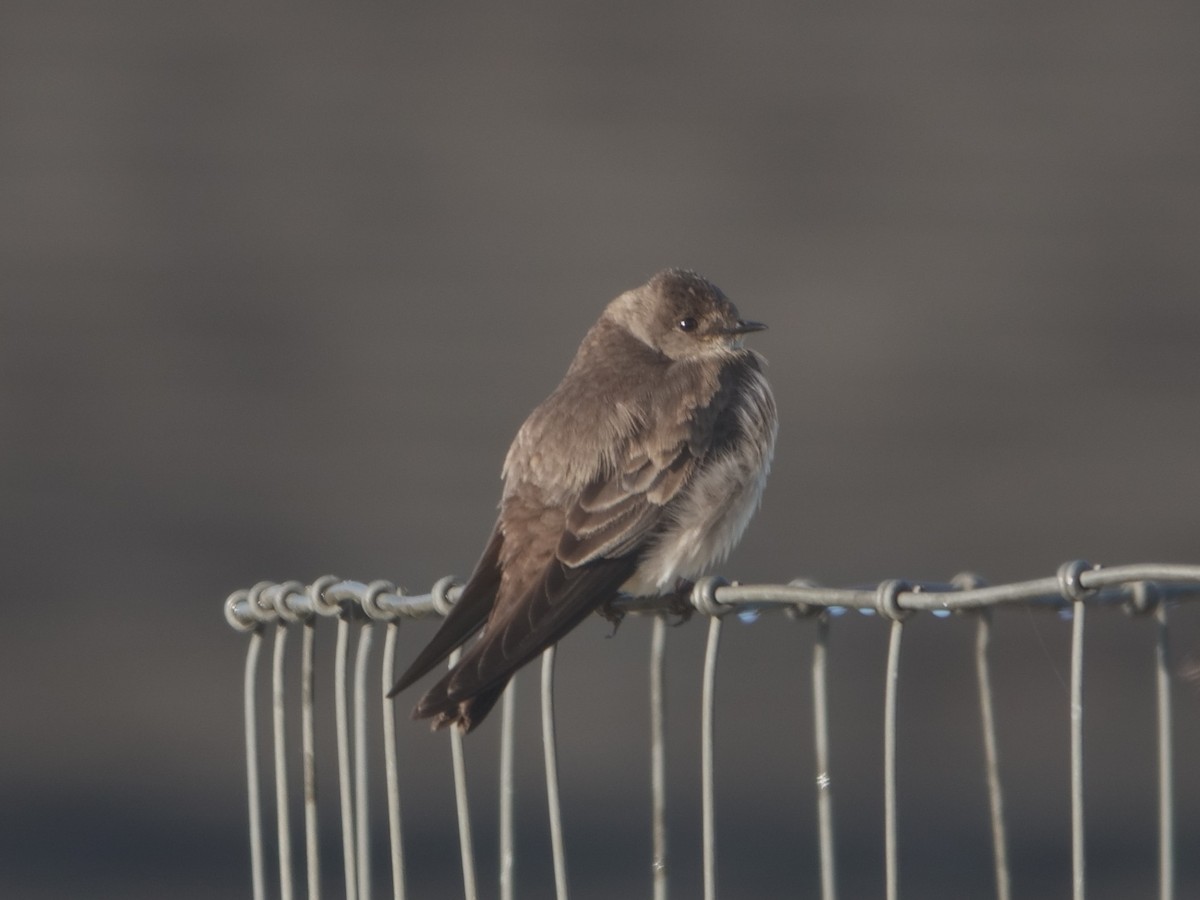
pixel 278 285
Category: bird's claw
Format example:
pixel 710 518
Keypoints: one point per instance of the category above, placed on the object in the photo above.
pixel 679 603
pixel 611 613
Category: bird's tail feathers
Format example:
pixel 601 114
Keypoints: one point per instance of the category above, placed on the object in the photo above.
pixel 464 714
pixel 464 619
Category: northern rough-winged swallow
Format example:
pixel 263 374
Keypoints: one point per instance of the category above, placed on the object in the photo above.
pixel 640 471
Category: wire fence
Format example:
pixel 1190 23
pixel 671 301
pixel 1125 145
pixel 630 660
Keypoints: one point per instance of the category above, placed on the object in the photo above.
pixel 1142 589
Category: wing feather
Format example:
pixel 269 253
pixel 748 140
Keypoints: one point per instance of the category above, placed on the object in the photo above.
pixel 605 533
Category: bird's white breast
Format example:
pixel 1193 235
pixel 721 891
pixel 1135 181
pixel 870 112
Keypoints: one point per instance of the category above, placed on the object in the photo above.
pixel 717 505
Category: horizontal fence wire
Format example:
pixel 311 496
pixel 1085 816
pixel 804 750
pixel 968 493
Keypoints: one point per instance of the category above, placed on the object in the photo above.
pixel 1140 588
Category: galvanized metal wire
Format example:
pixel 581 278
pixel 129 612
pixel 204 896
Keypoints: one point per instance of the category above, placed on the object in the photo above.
pixel 362 837
pixel 508 807
pixel 991 755
pixel 707 774
pixel 658 756
pixel 550 749
pixel 821 747
pixel 465 843
pixel 891 852
pixel 1166 766
pixel 1075 589
pixel 308 739
pixel 257 856
pixel 345 770
pixel 282 829
pixel 1078 862
pixel 391 762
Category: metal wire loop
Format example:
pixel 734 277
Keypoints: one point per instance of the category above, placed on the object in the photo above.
pixel 704 596
pixel 237 619
pixel 260 606
pixel 370 599
pixel 1069 584
pixel 441 594
pixel 887 599
pixel 278 597
pixel 323 605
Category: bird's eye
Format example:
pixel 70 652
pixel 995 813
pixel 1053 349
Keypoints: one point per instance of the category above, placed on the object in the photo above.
pixel 688 324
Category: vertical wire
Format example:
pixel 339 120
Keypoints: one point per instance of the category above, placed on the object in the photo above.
pixel 465 845
pixel 658 755
pixel 312 851
pixel 343 752
pixel 1166 774
pixel 1077 851
pixel 991 755
pixel 508 845
pixel 889 760
pixel 282 826
pixel 708 797
pixel 821 738
pixel 257 867
pixel 390 762
pixel 551 753
pixel 362 834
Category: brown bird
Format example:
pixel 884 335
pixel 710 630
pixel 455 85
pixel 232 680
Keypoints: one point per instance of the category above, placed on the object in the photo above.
pixel 641 470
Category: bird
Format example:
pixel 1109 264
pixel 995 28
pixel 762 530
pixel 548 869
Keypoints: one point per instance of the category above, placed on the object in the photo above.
pixel 637 474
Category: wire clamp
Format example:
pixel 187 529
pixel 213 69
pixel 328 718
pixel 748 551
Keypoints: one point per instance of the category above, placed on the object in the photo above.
pixel 441 595
pixel 1070 584
pixel 370 599
pixel 237 611
pixel 321 604
pixel 887 599
pixel 704 596
pixel 278 596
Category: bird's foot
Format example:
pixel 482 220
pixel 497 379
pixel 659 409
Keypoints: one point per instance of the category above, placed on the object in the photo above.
pixel 679 603
pixel 611 613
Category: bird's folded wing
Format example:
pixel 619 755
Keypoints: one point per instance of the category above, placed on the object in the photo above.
pixel 614 516
pixel 607 530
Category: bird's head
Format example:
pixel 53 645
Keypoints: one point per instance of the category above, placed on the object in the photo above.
pixel 683 316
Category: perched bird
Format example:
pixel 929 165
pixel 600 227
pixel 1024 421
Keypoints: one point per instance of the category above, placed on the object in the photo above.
pixel 639 472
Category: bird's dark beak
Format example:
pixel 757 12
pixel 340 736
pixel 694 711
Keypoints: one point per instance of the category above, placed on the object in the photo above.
pixel 744 327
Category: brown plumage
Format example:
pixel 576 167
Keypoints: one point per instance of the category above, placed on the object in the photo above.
pixel 642 468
